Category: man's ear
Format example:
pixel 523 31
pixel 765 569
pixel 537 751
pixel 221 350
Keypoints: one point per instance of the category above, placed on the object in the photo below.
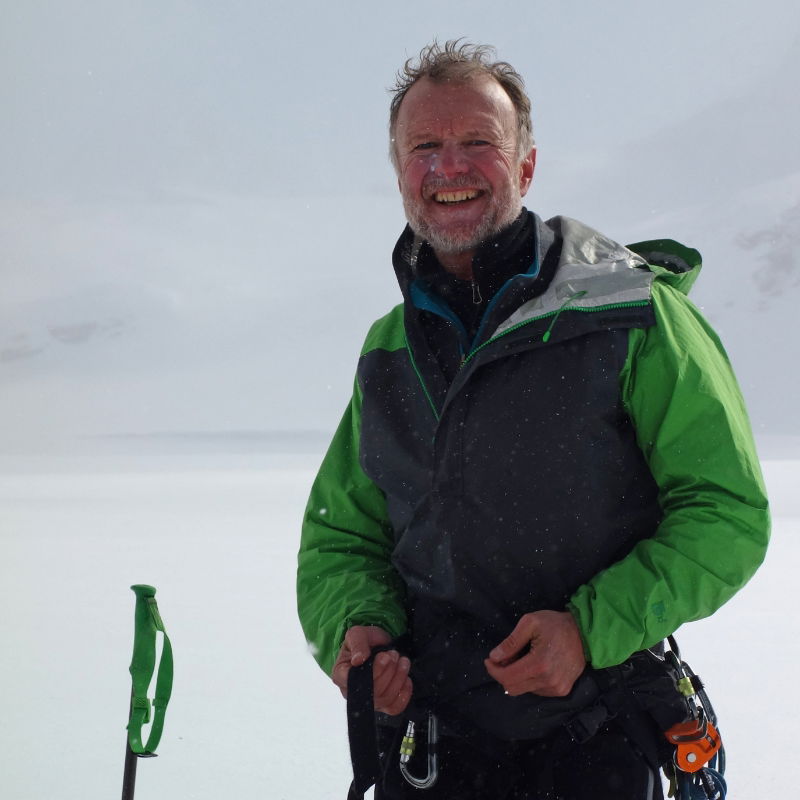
pixel 526 167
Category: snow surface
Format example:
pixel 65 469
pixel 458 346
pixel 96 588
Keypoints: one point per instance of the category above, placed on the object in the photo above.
pixel 251 714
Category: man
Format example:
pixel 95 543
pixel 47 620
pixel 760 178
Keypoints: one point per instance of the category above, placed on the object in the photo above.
pixel 545 468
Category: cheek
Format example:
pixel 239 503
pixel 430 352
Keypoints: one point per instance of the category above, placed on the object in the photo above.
pixel 504 180
pixel 413 174
pixel 497 169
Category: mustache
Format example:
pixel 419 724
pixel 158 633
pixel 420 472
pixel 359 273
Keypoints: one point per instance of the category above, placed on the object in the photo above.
pixel 433 185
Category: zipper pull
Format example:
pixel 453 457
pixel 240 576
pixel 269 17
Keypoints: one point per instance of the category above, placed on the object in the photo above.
pixel 476 293
pixel 546 337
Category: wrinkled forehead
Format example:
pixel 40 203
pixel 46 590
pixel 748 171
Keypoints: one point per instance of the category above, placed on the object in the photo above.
pixel 477 102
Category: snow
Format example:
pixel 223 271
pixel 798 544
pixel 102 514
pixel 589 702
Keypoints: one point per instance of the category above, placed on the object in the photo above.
pixel 251 714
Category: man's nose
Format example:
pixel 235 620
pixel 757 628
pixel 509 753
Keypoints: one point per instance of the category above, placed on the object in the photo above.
pixel 451 160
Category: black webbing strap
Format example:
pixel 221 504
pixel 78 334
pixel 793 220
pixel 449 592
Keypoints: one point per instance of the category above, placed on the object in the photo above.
pixel 361 730
pixel 616 702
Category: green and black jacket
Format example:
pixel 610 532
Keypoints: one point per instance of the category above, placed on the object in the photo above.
pixel 591 452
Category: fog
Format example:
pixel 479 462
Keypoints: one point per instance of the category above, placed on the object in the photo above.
pixel 197 210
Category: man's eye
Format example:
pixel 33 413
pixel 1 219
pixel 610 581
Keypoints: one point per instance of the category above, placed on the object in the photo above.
pixel 425 146
pixel 478 142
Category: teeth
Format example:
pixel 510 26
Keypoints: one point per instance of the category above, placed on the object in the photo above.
pixel 455 197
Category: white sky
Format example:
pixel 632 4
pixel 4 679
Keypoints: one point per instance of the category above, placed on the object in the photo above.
pixel 128 98
pixel 207 183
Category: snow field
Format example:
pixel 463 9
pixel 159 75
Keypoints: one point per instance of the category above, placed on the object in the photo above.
pixel 251 714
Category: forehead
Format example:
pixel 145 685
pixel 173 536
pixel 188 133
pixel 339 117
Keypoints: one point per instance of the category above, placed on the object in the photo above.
pixel 477 103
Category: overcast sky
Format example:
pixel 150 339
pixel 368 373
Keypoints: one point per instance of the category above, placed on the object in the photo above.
pixel 197 211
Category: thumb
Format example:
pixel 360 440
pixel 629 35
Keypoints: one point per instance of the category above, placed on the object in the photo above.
pixel 360 639
pixel 357 642
pixel 515 642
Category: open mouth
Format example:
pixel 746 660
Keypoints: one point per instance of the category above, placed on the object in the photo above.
pixel 456 196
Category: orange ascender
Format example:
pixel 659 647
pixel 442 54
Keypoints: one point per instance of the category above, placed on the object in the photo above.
pixel 696 743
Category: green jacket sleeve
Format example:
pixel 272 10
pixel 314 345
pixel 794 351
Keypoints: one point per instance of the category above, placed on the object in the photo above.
pixel 344 573
pixel 692 428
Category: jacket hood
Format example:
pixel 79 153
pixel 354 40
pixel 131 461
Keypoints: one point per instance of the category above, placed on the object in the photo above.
pixel 670 261
pixel 593 271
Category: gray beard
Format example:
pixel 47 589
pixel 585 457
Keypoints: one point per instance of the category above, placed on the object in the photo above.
pixel 460 241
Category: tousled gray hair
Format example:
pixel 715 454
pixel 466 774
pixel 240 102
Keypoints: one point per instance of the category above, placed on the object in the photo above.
pixel 457 60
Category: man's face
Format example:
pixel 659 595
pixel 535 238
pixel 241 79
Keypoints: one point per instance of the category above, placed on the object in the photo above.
pixel 459 170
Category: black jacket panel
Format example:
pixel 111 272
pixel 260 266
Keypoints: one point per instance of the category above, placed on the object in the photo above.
pixel 507 488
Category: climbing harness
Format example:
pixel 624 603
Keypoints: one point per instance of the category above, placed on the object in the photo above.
pixel 660 704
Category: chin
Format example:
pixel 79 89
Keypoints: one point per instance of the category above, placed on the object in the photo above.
pixel 459 239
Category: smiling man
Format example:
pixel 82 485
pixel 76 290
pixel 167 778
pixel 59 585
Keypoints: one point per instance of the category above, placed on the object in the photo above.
pixel 462 166
pixel 545 469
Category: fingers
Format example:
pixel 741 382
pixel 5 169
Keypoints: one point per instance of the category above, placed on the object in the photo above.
pixel 532 674
pixel 392 685
pixel 554 662
pixel 518 640
pixel 356 649
pixel 340 670
pixel 360 639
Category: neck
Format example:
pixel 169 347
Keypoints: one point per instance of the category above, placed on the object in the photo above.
pixel 459 265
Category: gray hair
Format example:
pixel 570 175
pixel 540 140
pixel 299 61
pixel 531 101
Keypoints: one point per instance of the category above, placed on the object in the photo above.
pixel 462 61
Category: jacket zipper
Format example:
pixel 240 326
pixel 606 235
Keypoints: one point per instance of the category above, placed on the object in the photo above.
pixel 465 357
pixel 555 314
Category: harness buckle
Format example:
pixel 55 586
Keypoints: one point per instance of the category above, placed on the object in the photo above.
pixel 584 726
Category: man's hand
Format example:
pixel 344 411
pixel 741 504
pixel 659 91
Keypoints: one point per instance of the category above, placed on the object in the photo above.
pixel 542 655
pixel 392 686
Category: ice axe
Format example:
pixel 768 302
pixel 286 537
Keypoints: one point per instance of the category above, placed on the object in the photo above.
pixel 147 623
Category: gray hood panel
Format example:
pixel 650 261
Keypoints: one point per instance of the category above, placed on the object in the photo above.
pixel 606 272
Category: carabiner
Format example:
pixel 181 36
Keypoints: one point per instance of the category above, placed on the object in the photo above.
pixel 407 750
